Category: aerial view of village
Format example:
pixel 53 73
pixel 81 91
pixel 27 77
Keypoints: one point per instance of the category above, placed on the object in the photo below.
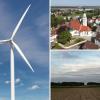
pixel 75 27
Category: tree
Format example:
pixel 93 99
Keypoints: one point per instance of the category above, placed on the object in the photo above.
pixel 93 83
pixel 60 19
pixel 64 37
pixel 94 28
pixel 61 29
pixel 56 20
pixel 53 21
pixel 96 12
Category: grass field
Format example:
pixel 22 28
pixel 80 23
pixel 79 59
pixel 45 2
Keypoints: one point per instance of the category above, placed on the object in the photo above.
pixel 88 93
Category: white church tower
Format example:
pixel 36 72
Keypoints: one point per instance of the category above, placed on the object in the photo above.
pixel 84 19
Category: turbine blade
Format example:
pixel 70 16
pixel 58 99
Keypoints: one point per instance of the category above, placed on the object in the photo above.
pixel 3 41
pixel 22 55
pixel 20 21
pixel 12 75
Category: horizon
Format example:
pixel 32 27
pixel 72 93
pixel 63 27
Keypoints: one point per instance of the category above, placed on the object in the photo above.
pixel 73 66
pixel 74 81
pixel 74 3
pixel 75 6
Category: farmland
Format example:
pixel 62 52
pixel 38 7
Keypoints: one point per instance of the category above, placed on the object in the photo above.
pixel 76 93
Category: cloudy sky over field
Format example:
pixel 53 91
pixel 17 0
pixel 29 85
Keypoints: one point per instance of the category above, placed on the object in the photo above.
pixel 75 66
pixel 32 38
pixel 75 2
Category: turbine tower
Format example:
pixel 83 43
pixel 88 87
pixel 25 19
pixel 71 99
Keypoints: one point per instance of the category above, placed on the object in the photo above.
pixel 14 45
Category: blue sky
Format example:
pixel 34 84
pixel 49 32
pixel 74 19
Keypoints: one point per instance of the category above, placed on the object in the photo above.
pixel 75 66
pixel 32 38
pixel 75 2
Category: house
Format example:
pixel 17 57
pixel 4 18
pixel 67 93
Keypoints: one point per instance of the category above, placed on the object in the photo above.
pixel 89 45
pixel 97 21
pixel 76 28
pixel 97 39
pixel 90 20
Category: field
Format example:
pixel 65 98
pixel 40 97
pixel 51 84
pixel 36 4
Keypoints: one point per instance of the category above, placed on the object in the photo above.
pixel 88 93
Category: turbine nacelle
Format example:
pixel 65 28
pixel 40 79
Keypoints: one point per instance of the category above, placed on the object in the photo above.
pixel 14 45
pixel 8 41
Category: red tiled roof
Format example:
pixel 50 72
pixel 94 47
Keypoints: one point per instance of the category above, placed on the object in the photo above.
pixel 74 24
pixel 84 28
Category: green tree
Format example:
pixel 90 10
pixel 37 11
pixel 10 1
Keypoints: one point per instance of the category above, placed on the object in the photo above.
pixel 64 37
pixel 60 19
pixel 61 29
pixel 96 12
pixel 53 21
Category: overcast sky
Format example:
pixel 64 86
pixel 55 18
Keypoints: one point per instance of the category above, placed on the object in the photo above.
pixel 75 66
pixel 32 38
pixel 75 2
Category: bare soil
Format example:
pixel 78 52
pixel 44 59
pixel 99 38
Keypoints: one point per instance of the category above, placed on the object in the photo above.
pixel 91 93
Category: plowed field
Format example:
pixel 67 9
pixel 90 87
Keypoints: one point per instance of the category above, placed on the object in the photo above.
pixel 75 93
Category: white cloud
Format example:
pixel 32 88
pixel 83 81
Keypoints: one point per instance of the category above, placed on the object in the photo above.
pixel 7 82
pixel 42 83
pixel 65 69
pixel 75 66
pixel 18 80
pixel 34 87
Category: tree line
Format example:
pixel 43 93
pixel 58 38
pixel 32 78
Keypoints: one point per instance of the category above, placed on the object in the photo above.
pixel 54 84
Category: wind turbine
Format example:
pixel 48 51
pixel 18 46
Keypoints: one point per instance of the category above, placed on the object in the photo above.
pixel 14 45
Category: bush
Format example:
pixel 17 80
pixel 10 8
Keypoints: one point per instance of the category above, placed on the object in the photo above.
pixel 64 37
pixel 53 21
pixel 79 40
